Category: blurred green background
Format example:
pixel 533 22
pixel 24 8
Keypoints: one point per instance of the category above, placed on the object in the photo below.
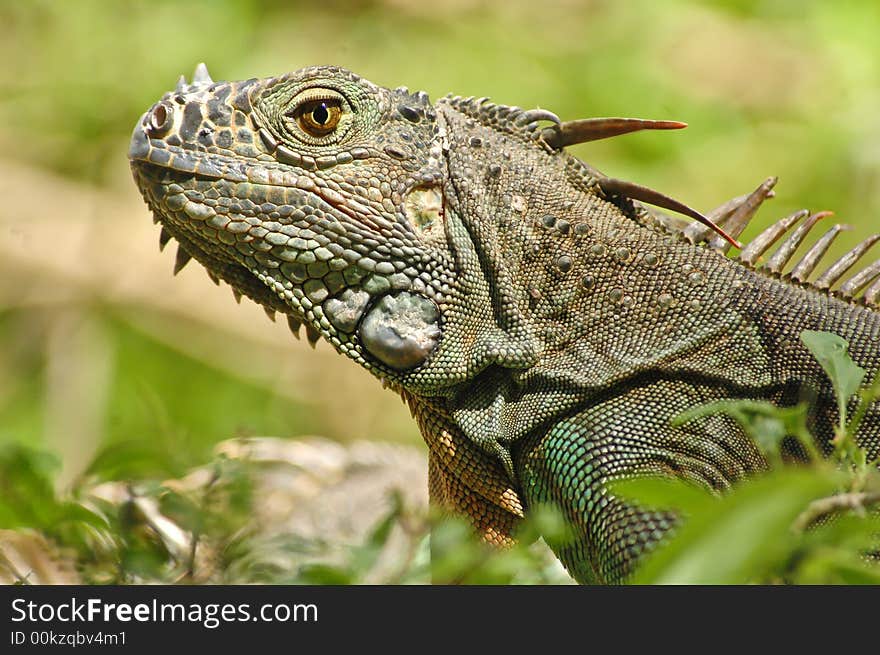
pixel 102 351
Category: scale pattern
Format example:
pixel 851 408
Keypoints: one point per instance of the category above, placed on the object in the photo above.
pixel 541 323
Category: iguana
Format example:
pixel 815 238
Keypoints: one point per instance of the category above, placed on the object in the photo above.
pixel 542 323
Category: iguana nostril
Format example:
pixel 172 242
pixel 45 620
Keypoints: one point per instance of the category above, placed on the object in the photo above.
pixel 160 119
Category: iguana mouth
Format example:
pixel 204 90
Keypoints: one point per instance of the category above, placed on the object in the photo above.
pixel 217 262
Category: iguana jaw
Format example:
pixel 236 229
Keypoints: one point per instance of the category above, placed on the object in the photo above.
pixel 152 179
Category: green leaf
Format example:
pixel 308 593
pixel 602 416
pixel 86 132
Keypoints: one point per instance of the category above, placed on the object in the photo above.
pixel 325 574
pixel 364 557
pixel 847 531
pixel 455 550
pixel 27 496
pixel 663 493
pixel 132 459
pixel 735 539
pixel 548 522
pixel 181 509
pixel 831 351
pixel 836 567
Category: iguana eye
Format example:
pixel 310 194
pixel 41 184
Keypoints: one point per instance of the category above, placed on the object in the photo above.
pixel 317 112
pixel 318 117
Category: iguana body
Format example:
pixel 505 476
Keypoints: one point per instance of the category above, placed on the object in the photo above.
pixel 542 326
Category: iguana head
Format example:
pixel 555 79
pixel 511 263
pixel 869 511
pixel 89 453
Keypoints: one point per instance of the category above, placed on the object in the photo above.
pixel 325 197
pixel 316 194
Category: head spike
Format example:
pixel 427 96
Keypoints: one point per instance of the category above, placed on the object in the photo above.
pixel 860 280
pixel 534 115
pixel 181 84
pixel 613 187
pixel 697 232
pixel 805 267
pixel 785 251
pixel 201 75
pixel 761 243
pixel 733 216
pixel 592 129
pixel 842 265
pixel 270 313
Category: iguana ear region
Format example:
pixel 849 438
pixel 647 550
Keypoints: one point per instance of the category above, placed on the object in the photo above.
pixel 401 330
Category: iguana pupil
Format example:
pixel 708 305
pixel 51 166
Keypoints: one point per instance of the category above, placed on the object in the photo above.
pixel 320 113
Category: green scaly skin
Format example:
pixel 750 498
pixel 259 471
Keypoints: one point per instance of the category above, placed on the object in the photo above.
pixel 542 331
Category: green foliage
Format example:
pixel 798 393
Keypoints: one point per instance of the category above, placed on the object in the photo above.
pixel 737 538
pixel 27 497
pixel 457 558
pixel 809 524
pixel 124 540
pixel 158 413
pixel 830 350
pixel 200 530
